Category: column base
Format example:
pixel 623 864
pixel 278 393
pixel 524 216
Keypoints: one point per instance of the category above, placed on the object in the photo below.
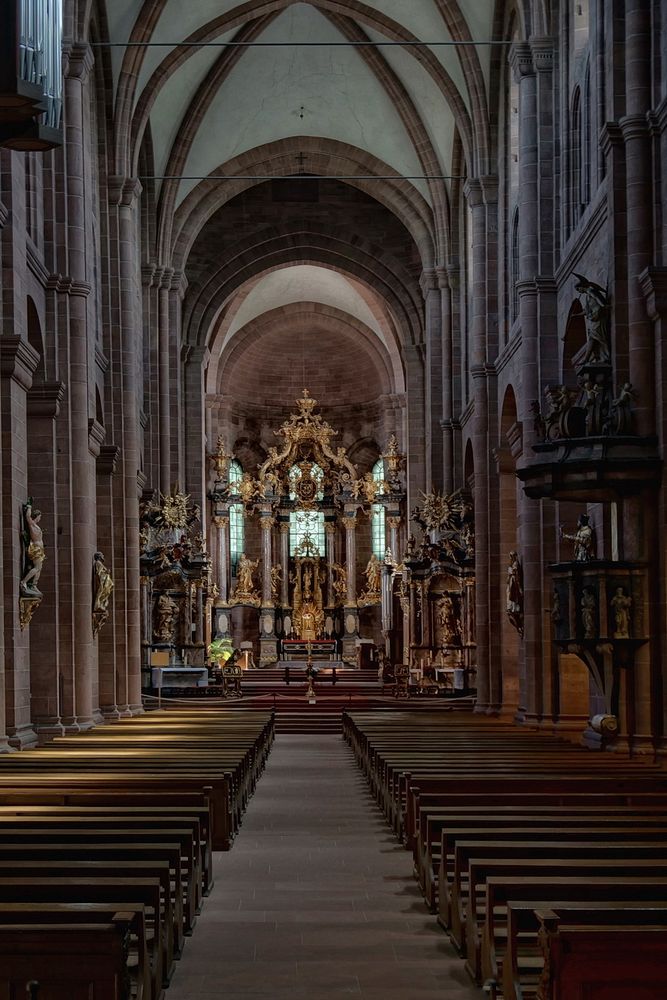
pixel 23 737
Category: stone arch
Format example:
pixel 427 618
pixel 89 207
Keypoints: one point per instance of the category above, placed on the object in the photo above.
pixel 325 157
pixel 203 308
pixel 36 339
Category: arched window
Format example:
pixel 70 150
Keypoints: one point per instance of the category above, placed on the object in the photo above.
pixel 236 518
pixel 378 514
pixel 307 525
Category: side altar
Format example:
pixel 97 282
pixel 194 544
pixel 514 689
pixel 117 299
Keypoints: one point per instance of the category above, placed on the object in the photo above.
pixel 312 573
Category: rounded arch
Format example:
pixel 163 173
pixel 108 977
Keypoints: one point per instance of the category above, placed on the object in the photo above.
pixel 204 304
pixel 180 228
pixel 36 339
pixel 317 322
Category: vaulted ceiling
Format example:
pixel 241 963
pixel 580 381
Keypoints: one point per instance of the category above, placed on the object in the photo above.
pixel 402 123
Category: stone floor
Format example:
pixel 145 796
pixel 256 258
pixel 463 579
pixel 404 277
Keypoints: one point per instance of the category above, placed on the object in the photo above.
pixel 316 899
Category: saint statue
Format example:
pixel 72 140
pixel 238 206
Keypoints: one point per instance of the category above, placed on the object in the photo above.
pixel 34 550
pixel 448 626
pixel 276 580
pixel 166 617
pixel 595 305
pixel 339 583
pixel 621 603
pixel 373 575
pixel 583 538
pixel 588 606
pixel 246 568
pixel 514 593
pixel 102 587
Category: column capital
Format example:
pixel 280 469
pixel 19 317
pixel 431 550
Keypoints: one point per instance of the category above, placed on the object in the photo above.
pixel 44 399
pixel 123 191
pixel 349 521
pixel 428 281
pixel 78 60
pixel 653 283
pixel 329 528
pixel 542 50
pixel 107 460
pixel 521 60
pixel 266 522
pixel 394 523
pixel 472 190
pixel 18 360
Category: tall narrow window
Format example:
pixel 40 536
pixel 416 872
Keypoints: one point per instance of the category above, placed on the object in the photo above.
pixel 378 514
pixel 306 527
pixel 236 518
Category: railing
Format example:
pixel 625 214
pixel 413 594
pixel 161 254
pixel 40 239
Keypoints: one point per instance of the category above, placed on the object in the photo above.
pixel 40 45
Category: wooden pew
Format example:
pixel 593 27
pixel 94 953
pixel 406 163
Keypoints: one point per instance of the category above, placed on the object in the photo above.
pixel 602 963
pixel 523 962
pixel 472 926
pixel 76 960
pixel 58 914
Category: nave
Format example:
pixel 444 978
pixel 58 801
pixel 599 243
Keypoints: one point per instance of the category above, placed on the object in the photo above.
pixel 317 899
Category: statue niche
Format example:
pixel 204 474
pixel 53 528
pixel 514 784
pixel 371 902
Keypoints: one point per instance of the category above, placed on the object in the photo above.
pixel 307 598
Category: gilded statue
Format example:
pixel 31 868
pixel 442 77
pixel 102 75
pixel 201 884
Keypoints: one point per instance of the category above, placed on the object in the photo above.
pixel 276 580
pixel 166 619
pixel 373 575
pixel 35 553
pixel 368 488
pixel 339 583
pixel 102 587
pixel 583 538
pixel 621 604
pixel 245 589
pixel 247 488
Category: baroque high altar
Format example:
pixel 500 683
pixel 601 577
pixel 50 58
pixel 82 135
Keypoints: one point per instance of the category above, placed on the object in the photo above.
pixel 314 572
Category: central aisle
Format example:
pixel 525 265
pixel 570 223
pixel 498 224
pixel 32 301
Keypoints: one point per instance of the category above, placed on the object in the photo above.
pixel 316 899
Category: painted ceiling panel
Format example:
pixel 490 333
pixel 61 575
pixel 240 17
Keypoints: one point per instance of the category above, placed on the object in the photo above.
pixel 282 91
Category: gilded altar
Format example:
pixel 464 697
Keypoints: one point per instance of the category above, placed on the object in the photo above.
pixel 308 604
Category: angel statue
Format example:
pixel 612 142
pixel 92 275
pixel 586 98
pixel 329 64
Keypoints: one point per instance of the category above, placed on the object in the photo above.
pixel 595 305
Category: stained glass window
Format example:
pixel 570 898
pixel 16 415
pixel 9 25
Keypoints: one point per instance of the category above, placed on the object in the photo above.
pixel 236 519
pixel 378 513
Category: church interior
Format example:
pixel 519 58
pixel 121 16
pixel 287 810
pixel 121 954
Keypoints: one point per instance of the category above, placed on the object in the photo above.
pixel 333 406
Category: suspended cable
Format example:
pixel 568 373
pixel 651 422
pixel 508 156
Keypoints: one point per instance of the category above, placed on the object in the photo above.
pixel 261 45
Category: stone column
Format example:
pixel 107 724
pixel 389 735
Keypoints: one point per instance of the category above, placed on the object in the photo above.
pixel 164 387
pixel 18 361
pixel 221 524
pixel 44 401
pixel 106 465
pixel 267 631
pixel 394 523
pixel 124 195
pixel 475 192
pixel 351 630
pixel 654 285
pixel 530 536
pixel 446 422
pixel 196 359
pixel 433 377
pixel 82 470
pixel 330 531
pixel 284 561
